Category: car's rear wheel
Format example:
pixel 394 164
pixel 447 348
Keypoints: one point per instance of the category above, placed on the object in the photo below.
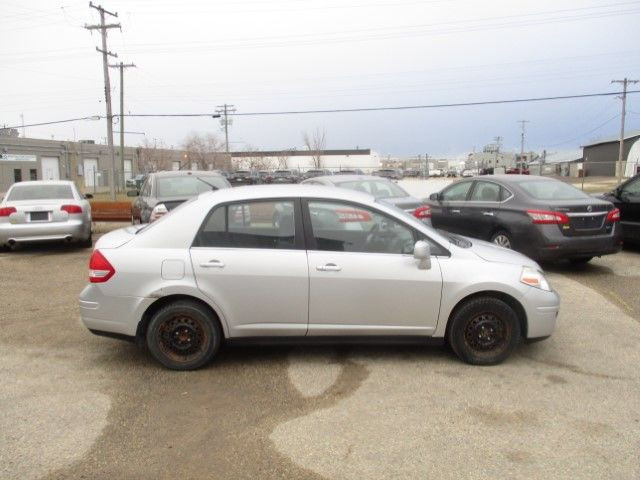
pixel 484 331
pixel 580 260
pixel 502 239
pixel 183 335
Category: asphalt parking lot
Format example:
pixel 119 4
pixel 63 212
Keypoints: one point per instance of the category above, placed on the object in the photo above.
pixel 78 406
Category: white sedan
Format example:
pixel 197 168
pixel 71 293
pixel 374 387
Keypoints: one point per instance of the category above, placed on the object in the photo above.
pixel 336 263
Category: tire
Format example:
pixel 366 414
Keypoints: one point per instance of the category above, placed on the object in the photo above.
pixel 87 242
pixel 502 238
pixel 484 331
pixel 580 260
pixel 171 332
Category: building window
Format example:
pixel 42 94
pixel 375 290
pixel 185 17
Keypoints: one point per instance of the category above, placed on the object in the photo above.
pixel 33 174
pixel 17 175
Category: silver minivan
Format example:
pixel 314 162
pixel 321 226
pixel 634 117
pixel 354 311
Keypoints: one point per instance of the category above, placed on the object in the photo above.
pixel 335 264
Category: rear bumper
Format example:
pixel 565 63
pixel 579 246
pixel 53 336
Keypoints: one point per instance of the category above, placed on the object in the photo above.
pixel 111 315
pixel 34 232
pixel 552 245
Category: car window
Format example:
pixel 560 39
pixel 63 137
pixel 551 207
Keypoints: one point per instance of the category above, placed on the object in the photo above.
pixel 552 190
pixel 344 227
pixel 259 224
pixel 377 188
pixel 40 192
pixel 632 188
pixel 485 192
pixel 457 191
pixel 188 186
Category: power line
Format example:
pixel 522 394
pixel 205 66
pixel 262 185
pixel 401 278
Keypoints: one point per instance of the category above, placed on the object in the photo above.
pixel 347 110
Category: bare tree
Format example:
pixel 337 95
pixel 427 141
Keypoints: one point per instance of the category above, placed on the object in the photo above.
pixel 203 151
pixel 283 160
pixel 315 143
pixel 253 160
pixel 153 157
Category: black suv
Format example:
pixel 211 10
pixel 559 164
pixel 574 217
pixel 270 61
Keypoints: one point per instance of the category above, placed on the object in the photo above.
pixel 626 197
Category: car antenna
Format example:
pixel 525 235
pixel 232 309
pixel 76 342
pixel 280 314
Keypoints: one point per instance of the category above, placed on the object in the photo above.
pixel 213 187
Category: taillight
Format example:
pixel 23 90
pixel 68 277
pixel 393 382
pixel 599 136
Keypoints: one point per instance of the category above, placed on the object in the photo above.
pixel 100 270
pixel 6 211
pixel 613 215
pixel 544 217
pixel 422 212
pixel 71 208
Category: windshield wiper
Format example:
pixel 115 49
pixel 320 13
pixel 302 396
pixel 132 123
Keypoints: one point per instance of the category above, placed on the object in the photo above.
pixel 213 187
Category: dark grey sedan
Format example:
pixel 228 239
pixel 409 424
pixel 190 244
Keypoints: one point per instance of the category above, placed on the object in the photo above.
pixel 164 191
pixel 541 217
pixel 381 189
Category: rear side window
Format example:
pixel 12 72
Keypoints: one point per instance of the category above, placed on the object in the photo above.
pixel 40 192
pixel 486 192
pixel 260 224
pixel 456 192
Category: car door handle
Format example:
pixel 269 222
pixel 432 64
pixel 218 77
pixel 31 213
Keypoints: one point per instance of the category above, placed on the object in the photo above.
pixel 455 210
pixel 329 267
pixel 488 214
pixel 212 264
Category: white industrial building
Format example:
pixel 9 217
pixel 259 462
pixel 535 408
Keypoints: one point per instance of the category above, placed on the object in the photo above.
pixel 364 159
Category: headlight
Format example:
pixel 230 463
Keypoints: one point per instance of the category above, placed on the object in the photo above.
pixel 157 212
pixel 534 278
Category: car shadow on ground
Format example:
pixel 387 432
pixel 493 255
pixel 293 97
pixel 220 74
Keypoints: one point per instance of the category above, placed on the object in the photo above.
pixel 44 248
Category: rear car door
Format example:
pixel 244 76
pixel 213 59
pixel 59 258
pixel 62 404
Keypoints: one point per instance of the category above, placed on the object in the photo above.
pixel 446 213
pixel 249 259
pixel 363 279
pixel 480 215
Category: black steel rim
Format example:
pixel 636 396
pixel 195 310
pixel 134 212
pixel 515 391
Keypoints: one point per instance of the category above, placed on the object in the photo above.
pixel 486 332
pixel 182 338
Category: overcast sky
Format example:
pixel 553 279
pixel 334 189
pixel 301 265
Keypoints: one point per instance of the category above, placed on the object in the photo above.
pixel 321 54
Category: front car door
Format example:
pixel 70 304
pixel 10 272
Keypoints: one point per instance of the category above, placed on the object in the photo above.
pixel 249 259
pixel 481 212
pixel 446 212
pixel 363 279
pixel 629 205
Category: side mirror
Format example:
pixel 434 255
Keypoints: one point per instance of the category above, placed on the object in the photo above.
pixel 422 252
pixel 435 196
pixel 132 193
pixel 88 196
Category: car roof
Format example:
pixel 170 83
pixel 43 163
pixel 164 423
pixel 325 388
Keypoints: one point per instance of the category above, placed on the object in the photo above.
pixel 185 173
pixel 44 182
pixel 515 178
pixel 348 178
pixel 253 192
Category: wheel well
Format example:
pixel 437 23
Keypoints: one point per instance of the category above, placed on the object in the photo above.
pixel 141 331
pixel 499 229
pixel 508 299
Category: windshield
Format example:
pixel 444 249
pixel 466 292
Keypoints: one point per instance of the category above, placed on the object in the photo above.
pixel 188 186
pixel 40 192
pixel 552 190
pixel 377 188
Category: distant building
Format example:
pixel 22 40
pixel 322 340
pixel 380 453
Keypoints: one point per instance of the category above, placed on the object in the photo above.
pixel 362 158
pixel 566 164
pixel 601 156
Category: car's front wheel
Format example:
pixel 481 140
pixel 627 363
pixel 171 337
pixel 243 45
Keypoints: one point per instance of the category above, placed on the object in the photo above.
pixel 183 335
pixel 484 331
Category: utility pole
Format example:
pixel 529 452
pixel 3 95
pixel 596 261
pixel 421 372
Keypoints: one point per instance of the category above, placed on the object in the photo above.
pixel 522 123
pixel 103 27
pixel 224 111
pixel 22 120
pixel 497 139
pixel 122 66
pixel 624 83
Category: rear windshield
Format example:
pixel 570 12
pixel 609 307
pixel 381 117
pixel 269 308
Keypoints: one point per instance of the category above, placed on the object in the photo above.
pixel 552 190
pixel 188 186
pixel 40 192
pixel 378 188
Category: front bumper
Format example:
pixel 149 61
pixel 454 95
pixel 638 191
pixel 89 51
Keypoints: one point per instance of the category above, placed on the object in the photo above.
pixel 542 308
pixel 114 315
pixel 46 231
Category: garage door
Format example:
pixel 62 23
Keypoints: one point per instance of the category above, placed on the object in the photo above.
pixel 50 168
pixel 127 170
pixel 90 167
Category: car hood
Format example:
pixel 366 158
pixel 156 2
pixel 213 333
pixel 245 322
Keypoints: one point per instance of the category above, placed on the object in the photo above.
pixel 117 238
pixel 493 253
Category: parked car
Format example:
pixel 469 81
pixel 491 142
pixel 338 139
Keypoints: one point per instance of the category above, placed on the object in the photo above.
pixel 626 198
pixel 136 182
pixel 357 268
pixel 390 173
pixel 285 176
pixel 164 191
pixel 517 171
pixel 243 177
pixel 349 171
pixel 412 172
pixel 45 210
pixel 452 172
pixel 467 173
pixel 544 218
pixel 435 172
pixel 319 172
pixel 265 176
pixel 382 189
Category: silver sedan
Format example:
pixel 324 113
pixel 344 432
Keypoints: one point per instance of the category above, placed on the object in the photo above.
pixel 46 210
pixel 339 264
